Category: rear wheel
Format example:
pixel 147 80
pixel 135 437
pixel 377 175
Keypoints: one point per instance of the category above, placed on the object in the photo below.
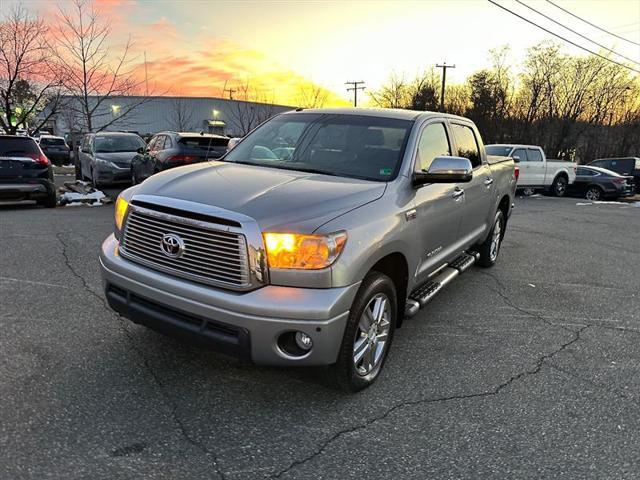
pixel 490 248
pixel 559 186
pixel 368 334
pixel 593 193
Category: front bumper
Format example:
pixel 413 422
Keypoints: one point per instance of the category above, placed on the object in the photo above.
pixel 108 174
pixel 246 325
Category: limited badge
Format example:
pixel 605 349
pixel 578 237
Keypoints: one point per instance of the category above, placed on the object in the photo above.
pixel 385 171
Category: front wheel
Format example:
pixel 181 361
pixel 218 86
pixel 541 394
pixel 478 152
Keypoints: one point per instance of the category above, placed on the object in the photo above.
pixel 490 248
pixel 559 186
pixel 368 334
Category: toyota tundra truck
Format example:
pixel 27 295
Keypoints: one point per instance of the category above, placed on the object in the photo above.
pixel 313 239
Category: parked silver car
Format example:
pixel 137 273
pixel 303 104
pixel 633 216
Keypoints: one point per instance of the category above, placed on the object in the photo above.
pixel 105 157
pixel 312 239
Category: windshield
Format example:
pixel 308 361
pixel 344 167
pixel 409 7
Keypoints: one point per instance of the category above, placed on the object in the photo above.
pixel 204 142
pixel 498 150
pixel 356 146
pixel 51 141
pixel 119 143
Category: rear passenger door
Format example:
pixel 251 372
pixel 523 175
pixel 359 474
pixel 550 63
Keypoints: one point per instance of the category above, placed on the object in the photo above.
pixel 478 193
pixel 526 175
pixel 438 210
pixel 537 167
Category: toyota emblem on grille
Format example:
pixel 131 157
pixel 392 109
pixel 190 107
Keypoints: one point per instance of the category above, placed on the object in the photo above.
pixel 172 245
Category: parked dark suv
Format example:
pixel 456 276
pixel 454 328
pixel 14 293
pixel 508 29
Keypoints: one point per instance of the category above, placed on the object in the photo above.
pixel 627 166
pixel 25 172
pixel 171 149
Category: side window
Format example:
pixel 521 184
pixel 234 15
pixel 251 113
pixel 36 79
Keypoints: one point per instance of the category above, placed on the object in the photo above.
pixel 521 153
pixel 601 163
pixel 160 143
pixel 433 143
pixel 167 142
pixel 467 144
pixel 584 172
pixel 534 155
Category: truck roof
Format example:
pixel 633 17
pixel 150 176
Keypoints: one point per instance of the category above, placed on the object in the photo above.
pixel 395 113
pixel 513 145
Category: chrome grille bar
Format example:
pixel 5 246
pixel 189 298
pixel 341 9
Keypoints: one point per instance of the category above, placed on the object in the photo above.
pixel 211 254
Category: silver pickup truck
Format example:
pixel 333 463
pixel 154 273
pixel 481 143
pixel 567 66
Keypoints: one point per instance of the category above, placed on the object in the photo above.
pixel 313 239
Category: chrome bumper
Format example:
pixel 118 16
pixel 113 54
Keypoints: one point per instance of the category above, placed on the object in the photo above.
pixel 264 313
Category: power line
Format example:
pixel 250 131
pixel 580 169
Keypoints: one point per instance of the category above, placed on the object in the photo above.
pixel 563 38
pixel 444 67
pixel 355 89
pixel 577 33
pixel 592 24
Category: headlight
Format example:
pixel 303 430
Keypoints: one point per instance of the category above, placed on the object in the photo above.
pixel 307 252
pixel 121 210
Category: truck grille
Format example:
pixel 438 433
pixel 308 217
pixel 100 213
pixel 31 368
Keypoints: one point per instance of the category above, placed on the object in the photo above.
pixel 205 254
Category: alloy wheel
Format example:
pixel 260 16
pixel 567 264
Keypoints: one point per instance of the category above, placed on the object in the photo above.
pixel 372 335
pixel 495 240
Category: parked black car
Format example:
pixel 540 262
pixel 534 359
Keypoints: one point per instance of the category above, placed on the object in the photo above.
pixel 623 166
pixel 596 183
pixel 171 149
pixel 25 171
pixel 56 149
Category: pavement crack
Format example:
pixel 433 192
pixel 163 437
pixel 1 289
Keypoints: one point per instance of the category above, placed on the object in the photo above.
pixel 425 401
pixel 162 388
pixel 505 298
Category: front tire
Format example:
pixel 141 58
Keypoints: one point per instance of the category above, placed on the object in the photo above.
pixel 368 334
pixel 490 248
pixel 559 186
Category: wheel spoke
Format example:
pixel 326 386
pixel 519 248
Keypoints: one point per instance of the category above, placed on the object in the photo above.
pixel 381 337
pixel 359 349
pixel 369 359
pixel 378 308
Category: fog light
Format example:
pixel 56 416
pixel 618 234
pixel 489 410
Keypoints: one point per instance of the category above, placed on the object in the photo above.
pixel 304 341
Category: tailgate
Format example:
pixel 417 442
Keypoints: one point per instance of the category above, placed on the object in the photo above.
pixel 17 168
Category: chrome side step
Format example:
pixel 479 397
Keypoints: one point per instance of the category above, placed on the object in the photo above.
pixel 424 293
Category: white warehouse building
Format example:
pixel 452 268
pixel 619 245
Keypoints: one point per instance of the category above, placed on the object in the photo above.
pixel 148 115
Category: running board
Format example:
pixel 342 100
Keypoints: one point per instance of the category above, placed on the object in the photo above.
pixel 424 293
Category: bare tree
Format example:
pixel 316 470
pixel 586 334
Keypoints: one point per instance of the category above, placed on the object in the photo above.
pixel 29 88
pixel 250 108
pixel 180 115
pixel 394 94
pixel 92 76
pixel 311 95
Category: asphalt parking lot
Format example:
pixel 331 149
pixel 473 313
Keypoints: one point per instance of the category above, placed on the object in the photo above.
pixel 528 370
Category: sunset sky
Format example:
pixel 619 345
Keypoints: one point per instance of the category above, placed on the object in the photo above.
pixel 193 47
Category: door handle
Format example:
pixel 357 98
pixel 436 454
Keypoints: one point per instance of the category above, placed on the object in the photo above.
pixel 488 181
pixel 457 193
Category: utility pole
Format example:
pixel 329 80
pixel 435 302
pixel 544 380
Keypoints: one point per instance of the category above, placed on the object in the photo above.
pixel 231 92
pixel 146 76
pixel 355 88
pixel 444 67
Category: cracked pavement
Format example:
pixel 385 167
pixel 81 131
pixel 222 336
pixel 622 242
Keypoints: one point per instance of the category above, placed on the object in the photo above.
pixel 528 370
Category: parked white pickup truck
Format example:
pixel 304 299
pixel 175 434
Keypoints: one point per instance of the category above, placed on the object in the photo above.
pixel 536 170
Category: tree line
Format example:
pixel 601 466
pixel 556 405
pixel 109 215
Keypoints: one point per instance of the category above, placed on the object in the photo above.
pixel 575 107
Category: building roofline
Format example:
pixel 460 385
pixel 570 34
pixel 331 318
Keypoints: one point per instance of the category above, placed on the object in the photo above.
pixel 175 97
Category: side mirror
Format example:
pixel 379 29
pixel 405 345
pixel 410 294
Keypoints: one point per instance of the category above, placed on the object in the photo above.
pixel 445 170
pixel 141 150
pixel 516 158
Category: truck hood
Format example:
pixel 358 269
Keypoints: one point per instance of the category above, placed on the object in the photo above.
pixel 279 200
